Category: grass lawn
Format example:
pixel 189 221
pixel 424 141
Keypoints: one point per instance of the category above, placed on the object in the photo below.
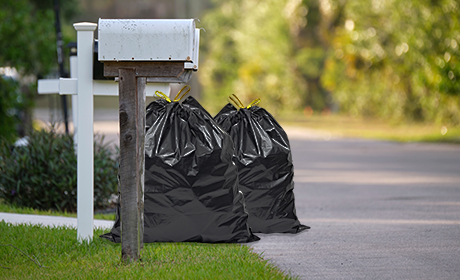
pixel 60 256
pixel 346 126
pixel 6 208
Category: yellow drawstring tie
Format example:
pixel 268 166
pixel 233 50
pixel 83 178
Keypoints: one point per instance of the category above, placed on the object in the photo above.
pixel 236 102
pixel 253 103
pixel 162 95
pixel 178 96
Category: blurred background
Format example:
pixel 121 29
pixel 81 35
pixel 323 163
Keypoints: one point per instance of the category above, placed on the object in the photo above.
pixel 349 67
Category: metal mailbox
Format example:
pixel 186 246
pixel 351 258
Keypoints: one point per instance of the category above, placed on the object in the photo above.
pixel 149 40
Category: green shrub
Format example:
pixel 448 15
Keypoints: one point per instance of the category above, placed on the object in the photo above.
pixel 9 92
pixel 43 174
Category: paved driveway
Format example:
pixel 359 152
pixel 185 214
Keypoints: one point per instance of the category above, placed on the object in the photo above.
pixel 378 210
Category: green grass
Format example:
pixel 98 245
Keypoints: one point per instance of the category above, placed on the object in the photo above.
pixel 6 208
pixel 62 257
pixel 346 126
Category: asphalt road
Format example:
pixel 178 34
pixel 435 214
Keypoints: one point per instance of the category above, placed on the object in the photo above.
pixel 377 210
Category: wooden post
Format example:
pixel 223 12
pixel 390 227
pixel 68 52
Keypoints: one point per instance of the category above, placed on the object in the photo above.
pixel 140 168
pixel 132 83
pixel 132 131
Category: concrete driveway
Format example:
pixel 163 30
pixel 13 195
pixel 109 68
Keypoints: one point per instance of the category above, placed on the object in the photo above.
pixel 377 210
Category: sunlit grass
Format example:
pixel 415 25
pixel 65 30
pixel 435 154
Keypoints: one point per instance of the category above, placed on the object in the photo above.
pixel 346 126
pixel 7 208
pixel 60 256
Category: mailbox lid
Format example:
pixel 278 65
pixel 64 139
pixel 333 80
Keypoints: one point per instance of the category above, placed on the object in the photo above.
pixel 146 39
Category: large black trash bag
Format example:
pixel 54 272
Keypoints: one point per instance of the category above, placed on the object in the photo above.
pixel 264 166
pixel 191 183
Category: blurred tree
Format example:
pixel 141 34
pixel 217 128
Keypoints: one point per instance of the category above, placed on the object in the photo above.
pixel 397 60
pixel 251 52
pixel 27 43
pixel 391 59
pixel 314 42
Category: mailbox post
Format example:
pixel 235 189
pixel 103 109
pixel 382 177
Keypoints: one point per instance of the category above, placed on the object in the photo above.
pixel 162 51
pixel 85 165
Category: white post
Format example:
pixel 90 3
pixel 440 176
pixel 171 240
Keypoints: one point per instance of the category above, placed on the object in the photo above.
pixel 85 116
pixel 73 74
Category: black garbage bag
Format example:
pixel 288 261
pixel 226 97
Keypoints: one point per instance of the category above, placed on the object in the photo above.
pixel 191 183
pixel 265 168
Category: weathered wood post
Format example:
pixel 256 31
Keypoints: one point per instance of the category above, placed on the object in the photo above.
pixel 131 170
pixel 137 51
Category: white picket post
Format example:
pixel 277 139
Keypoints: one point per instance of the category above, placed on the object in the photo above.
pixel 73 74
pixel 85 116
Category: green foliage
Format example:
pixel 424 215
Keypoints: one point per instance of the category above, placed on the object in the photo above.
pixel 43 174
pixel 63 257
pixel 396 60
pixel 25 45
pixel 15 107
pixel 250 52
pixel 8 101
pixel 28 44
pixel 27 35
pixel 311 65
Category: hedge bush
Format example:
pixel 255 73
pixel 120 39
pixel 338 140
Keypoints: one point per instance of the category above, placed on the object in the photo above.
pixel 43 173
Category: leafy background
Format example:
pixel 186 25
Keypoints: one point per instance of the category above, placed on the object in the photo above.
pixel 395 60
